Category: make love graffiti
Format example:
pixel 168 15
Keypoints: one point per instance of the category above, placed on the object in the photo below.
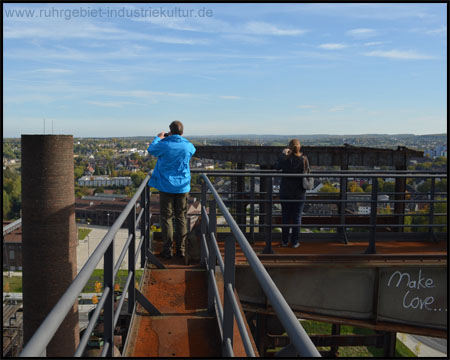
pixel 415 285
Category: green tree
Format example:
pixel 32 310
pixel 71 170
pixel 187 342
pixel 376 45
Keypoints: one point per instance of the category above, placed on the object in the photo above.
pixel 441 186
pixel 137 178
pixel 328 188
pixel 354 187
pixel 425 186
pixel 440 161
pixel 381 183
pixel 135 156
pixel 78 172
pixel 424 166
pixel 440 208
pixel 6 205
pixel 129 191
pixel 389 186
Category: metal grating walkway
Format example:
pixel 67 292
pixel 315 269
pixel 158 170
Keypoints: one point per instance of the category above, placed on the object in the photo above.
pixel 185 329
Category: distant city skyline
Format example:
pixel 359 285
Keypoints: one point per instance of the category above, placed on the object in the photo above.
pixel 116 70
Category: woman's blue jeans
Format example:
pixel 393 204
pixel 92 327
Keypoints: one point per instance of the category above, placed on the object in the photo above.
pixel 291 213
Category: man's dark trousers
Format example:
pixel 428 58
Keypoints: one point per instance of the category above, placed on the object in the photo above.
pixel 173 205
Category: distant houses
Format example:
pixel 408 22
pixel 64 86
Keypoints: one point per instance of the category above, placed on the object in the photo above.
pixel 97 181
pixel 439 150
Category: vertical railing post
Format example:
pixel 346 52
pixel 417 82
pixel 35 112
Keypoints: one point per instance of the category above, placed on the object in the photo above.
pixel 131 259
pixel 342 206
pixel 431 208
pixel 268 217
pixel 399 207
pixel 240 208
pixel 148 233
pixel 229 277
pixel 143 227
pixel 373 217
pixel 108 309
pixel 203 226
pixel 212 254
pixel 252 210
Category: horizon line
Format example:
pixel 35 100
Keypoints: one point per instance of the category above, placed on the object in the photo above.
pixel 256 135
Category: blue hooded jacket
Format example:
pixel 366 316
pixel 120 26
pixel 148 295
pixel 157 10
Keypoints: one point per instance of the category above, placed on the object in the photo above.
pixel 171 173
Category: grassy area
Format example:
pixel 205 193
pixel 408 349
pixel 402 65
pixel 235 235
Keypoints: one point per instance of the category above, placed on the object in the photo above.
pixel 320 328
pixel 82 233
pixel 97 276
pixel 317 328
pixel 14 283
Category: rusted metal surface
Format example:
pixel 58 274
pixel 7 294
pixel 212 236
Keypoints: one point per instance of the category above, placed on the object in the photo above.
pixel 318 155
pixel 179 294
pixel 406 283
pixel 185 329
pixel 399 251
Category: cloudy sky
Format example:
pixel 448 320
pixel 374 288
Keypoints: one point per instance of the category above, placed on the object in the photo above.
pixel 101 70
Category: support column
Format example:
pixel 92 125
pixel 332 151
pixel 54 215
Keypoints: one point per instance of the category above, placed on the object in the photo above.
pixel 240 206
pixel 49 236
pixel 262 204
pixel 399 207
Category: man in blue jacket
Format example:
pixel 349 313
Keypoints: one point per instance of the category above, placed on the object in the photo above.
pixel 172 177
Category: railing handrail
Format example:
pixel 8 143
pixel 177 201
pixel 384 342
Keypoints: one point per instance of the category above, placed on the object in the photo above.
pixel 318 171
pixel 334 174
pixel 297 334
pixel 44 334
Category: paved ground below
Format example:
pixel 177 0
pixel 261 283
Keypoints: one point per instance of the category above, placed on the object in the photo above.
pixel 88 245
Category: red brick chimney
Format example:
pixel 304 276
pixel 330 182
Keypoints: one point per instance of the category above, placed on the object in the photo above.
pixel 49 237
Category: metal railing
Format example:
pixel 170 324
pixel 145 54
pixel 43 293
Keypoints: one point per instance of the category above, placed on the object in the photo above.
pixel 210 254
pixel 36 346
pixel 343 220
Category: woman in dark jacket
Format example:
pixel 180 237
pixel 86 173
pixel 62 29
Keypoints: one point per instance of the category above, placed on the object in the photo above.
pixel 292 161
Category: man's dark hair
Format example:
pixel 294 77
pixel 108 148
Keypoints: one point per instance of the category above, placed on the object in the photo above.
pixel 176 128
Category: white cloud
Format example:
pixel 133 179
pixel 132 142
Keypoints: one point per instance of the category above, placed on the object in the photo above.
pixel 244 38
pixel 263 28
pixel 374 43
pixel 54 71
pixel 333 46
pixel 111 103
pixel 144 93
pixel 362 33
pixel 441 30
pixel 399 54
pixel 81 29
pixel 337 108
pixel 177 40
pixel 342 107
pixel 230 97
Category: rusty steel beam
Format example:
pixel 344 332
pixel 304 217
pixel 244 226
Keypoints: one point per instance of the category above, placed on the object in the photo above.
pixel 402 289
pixel 353 259
pixel 367 324
pixel 343 156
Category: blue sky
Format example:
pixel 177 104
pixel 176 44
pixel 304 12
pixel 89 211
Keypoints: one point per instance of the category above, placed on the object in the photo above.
pixel 101 70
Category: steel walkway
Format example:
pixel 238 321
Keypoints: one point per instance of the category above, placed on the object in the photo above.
pixel 185 328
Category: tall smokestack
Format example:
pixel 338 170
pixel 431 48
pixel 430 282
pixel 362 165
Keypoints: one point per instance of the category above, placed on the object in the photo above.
pixel 49 236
